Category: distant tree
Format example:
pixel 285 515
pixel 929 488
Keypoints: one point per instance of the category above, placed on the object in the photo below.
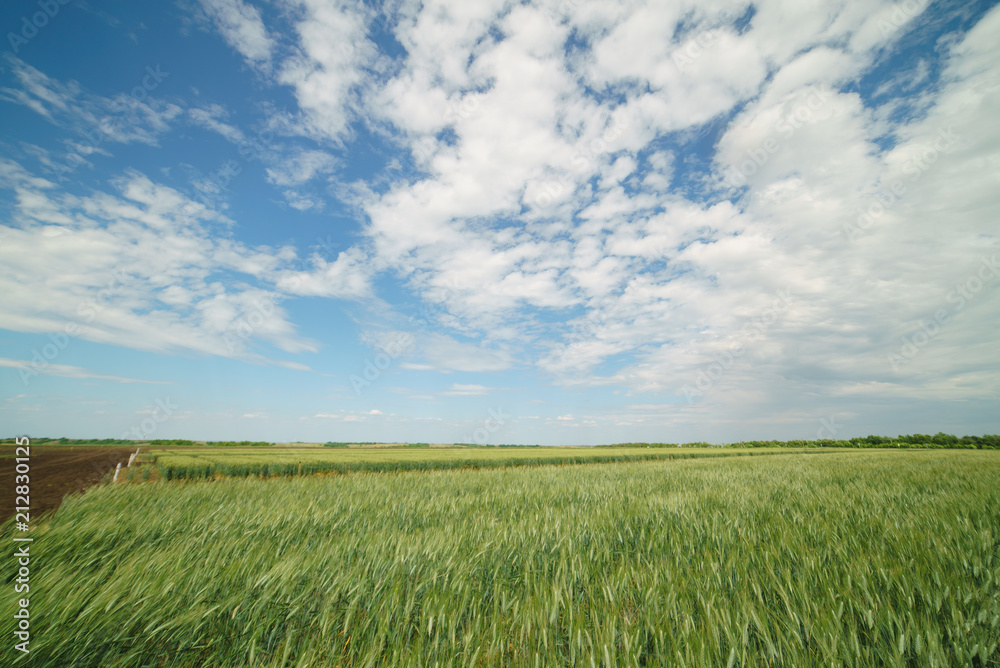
pixel 944 439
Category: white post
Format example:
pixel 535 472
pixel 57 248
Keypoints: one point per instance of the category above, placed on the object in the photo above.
pixel 117 469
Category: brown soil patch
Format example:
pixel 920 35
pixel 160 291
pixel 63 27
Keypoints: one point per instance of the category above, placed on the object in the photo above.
pixel 55 472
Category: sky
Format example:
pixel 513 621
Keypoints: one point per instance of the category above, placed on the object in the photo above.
pixel 557 222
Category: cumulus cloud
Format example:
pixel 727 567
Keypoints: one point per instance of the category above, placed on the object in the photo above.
pixel 328 68
pixel 534 204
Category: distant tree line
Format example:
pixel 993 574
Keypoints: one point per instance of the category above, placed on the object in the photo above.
pixel 240 444
pixel 938 440
pixel 130 442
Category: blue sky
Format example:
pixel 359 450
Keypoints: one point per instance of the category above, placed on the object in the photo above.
pixel 551 222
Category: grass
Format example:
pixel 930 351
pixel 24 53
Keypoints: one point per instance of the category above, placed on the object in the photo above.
pixel 235 462
pixel 850 559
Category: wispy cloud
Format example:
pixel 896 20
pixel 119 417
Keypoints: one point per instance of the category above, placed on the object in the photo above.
pixel 68 371
pixel 461 390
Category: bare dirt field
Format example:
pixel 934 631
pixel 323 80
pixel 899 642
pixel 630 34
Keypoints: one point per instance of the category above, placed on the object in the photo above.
pixel 55 472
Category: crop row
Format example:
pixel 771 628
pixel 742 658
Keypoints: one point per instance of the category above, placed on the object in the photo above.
pixel 208 465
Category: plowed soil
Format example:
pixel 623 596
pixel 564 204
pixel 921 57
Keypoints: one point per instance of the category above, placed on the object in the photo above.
pixel 55 472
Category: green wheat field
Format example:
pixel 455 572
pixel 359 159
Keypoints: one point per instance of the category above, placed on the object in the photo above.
pixel 849 558
pixel 210 462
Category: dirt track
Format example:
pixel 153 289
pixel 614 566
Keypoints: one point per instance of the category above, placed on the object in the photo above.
pixel 55 472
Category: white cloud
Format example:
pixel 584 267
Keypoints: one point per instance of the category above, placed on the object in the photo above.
pixel 29 368
pixel 347 277
pixel 665 282
pixel 139 268
pixel 328 68
pixel 301 202
pixel 212 117
pixel 465 390
pixel 125 118
pixel 241 26
pixel 445 353
pixel 300 168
